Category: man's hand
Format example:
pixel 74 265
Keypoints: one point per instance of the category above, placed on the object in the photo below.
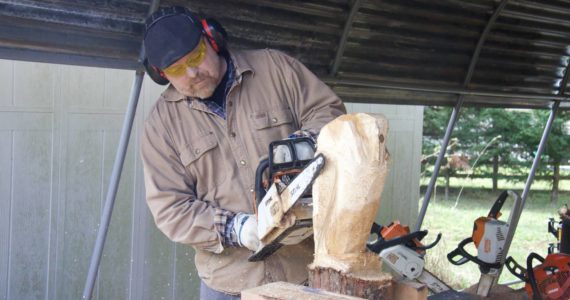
pixel 245 231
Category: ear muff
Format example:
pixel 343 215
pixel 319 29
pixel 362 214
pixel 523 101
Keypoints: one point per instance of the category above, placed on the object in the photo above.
pixel 210 28
pixel 154 73
pixel 215 33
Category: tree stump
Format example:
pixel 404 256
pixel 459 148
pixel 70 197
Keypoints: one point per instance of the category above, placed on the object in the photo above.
pixel 346 197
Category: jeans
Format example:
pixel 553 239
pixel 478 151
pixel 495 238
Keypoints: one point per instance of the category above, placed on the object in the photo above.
pixel 206 293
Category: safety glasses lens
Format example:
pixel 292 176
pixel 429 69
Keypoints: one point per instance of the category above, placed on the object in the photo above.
pixel 194 59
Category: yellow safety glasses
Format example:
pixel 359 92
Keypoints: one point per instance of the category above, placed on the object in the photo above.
pixel 193 60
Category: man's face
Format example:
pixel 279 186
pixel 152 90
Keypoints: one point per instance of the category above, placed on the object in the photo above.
pixel 197 81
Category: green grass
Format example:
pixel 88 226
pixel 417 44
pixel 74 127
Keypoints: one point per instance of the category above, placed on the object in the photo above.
pixel 456 224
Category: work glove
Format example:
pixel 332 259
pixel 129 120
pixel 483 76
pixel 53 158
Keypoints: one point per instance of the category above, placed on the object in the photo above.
pixel 244 231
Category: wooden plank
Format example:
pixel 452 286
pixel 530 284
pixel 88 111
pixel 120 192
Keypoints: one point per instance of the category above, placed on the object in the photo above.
pixel 289 291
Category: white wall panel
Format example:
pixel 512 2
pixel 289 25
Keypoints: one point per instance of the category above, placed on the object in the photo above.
pixel 401 190
pixel 6 83
pixel 34 85
pixel 117 88
pixel 30 213
pixel 6 167
pixel 82 87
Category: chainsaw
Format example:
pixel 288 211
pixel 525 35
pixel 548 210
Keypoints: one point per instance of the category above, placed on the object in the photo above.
pixel 403 252
pixel 560 230
pixel 490 238
pixel 283 201
pixel 549 280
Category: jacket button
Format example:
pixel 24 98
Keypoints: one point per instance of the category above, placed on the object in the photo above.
pixel 197 151
pixel 230 103
pixel 233 134
pixel 242 162
pixel 274 120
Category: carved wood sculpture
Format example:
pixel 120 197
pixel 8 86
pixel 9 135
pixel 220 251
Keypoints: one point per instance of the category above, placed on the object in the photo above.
pixel 346 197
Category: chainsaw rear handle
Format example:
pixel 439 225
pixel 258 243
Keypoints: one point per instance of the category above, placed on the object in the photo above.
pixel 531 278
pixel 517 270
pixel 461 253
pixel 259 190
pixel 380 243
pixel 465 256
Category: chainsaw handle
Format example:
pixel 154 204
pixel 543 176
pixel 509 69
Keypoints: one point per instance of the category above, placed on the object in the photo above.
pixel 459 251
pixel 517 270
pixel 376 229
pixel 531 277
pixel 498 205
pixel 426 247
pixel 259 190
pixel 485 267
pixel 380 244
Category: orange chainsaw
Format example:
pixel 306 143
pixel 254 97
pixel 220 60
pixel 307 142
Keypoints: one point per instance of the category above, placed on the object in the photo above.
pixel 403 252
pixel 490 237
pixel 549 280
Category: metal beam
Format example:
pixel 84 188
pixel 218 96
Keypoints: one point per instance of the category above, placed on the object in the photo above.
pixel 455 113
pixel 116 173
pixel 443 90
pixel 342 43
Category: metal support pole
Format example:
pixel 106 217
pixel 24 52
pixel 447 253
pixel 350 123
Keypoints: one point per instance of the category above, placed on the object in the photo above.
pixel 355 6
pixel 116 174
pixel 455 112
pixel 536 161
pixel 450 125
pixel 113 185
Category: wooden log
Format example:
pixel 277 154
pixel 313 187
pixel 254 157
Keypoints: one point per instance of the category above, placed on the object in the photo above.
pixel 368 287
pixel 289 291
pixel 346 197
pixel 410 290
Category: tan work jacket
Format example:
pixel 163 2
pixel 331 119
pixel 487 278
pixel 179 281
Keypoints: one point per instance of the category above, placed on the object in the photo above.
pixel 196 163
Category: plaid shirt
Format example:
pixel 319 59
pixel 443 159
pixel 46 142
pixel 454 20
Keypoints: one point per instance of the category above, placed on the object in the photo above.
pixel 223 222
pixel 217 103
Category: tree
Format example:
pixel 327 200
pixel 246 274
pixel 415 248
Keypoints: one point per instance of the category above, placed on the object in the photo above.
pixel 510 137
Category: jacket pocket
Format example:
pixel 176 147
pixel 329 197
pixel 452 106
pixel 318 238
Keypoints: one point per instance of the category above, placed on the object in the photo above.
pixel 202 157
pixel 272 125
pixel 267 119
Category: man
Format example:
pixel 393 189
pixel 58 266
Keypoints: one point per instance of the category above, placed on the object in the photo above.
pixel 204 137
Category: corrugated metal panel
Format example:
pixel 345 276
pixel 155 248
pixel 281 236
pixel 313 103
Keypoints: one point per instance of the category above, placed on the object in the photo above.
pixel 414 43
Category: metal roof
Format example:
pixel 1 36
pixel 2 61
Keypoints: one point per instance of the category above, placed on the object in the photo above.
pixel 495 53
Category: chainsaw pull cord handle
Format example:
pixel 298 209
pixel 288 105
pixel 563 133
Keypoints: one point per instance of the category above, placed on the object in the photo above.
pixel 517 270
pixel 531 277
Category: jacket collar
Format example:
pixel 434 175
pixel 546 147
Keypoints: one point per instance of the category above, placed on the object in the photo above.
pixel 241 67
